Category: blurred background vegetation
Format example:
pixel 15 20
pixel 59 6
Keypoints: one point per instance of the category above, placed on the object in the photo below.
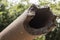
pixel 9 11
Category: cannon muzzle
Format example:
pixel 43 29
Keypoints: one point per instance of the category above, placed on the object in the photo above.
pixel 42 22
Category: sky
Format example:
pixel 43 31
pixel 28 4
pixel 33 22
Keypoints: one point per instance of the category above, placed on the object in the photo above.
pixel 30 1
pixel 17 1
pixel 34 1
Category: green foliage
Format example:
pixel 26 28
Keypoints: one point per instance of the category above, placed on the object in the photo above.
pixel 9 13
pixel 41 37
pixel 2 7
pixel 54 35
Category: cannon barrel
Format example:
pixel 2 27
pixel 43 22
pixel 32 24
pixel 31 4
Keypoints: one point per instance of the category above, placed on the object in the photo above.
pixel 32 23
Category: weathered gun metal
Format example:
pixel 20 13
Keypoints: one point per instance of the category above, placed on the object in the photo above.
pixel 32 23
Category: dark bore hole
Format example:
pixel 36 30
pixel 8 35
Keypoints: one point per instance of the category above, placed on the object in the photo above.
pixel 40 19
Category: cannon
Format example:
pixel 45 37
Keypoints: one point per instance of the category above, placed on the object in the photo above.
pixel 32 23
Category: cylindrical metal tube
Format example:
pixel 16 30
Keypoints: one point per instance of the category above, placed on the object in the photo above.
pixel 23 26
